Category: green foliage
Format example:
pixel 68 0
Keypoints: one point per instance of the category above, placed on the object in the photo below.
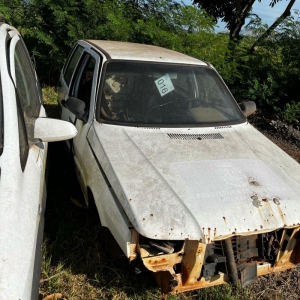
pixel 291 112
pixel 51 27
pixel 263 92
pixel 269 76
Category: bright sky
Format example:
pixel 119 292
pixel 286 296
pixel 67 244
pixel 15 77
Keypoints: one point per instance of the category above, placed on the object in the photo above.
pixel 263 10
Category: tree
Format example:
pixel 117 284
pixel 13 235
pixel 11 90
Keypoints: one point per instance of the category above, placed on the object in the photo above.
pixel 268 32
pixel 51 27
pixel 234 14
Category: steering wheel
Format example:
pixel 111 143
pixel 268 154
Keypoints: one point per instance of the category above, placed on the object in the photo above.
pixel 203 102
pixel 157 106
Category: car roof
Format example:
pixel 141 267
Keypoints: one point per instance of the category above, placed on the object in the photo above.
pixel 142 52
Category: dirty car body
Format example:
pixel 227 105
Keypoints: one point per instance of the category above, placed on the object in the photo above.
pixel 24 135
pixel 178 175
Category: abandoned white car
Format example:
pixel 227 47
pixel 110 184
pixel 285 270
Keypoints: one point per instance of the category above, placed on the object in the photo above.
pixel 178 175
pixel 24 133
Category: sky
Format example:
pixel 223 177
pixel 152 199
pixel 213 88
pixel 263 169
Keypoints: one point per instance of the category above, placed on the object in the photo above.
pixel 263 10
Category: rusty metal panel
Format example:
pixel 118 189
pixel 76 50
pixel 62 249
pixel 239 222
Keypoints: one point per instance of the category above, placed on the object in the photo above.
pixel 192 261
pixel 239 258
pixel 287 243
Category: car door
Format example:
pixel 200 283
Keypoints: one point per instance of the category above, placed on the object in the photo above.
pixel 27 210
pixel 82 84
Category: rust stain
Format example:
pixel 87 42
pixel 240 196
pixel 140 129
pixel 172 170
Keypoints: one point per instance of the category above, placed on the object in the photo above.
pixel 264 212
pixel 281 214
pixel 157 262
pixel 143 219
pixel 151 215
pixel 215 232
pixel 224 219
pixel 261 227
pixel 254 182
pixel 265 199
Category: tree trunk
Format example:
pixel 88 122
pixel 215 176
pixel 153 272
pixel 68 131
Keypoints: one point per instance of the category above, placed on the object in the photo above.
pixel 238 22
pixel 269 31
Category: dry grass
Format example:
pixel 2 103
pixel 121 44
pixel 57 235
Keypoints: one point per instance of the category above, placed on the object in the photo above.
pixel 77 264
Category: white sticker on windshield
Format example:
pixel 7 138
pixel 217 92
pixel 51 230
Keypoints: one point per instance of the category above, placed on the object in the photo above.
pixel 164 85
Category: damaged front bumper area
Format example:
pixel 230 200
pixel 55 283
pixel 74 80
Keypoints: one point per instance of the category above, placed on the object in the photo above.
pixel 181 266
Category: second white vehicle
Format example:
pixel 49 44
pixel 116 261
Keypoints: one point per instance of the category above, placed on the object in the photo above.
pixel 178 175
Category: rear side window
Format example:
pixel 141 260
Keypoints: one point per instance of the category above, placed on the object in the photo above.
pixel 72 64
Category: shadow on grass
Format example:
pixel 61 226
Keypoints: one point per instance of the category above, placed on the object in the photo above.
pixel 74 240
pixel 52 110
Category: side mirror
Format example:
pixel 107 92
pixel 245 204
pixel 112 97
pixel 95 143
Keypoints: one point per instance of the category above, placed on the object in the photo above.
pixel 77 107
pixel 248 108
pixel 53 130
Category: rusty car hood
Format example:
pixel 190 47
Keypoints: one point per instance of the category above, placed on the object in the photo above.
pixel 200 183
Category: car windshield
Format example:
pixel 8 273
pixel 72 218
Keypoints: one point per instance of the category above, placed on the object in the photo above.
pixel 166 94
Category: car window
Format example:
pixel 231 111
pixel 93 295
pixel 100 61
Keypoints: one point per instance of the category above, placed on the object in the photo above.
pixel 81 86
pixel 166 94
pixel 72 64
pixel 28 102
pixel 23 139
pixel 1 120
pixel 26 86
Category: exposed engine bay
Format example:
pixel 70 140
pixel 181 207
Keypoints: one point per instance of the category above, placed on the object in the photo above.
pixel 180 266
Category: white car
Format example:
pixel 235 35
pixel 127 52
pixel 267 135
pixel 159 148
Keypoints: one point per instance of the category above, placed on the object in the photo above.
pixel 24 133
pixel 180 178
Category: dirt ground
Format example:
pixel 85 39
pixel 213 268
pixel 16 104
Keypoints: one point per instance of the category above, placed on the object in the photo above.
pixel 283 135
pixel 284 285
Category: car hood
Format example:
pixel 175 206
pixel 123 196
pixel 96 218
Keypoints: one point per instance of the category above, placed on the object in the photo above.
pixel 199 184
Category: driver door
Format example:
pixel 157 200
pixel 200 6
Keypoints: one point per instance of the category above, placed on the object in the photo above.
pixel 83 85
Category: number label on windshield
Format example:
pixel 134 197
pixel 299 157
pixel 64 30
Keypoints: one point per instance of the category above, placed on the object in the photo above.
pixel 164 85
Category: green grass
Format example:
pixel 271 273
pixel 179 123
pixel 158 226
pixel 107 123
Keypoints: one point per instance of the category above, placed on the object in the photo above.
pixel 50 101
pixel 76 261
